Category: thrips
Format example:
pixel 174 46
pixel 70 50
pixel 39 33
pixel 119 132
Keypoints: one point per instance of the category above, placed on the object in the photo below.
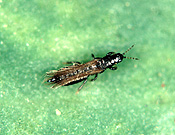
pixel 79 72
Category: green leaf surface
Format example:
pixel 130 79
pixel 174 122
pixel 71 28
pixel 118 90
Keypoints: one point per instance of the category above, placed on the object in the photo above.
pixel 38 36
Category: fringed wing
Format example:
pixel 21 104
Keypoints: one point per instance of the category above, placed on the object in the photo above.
pixel 72 73
pixel 60 77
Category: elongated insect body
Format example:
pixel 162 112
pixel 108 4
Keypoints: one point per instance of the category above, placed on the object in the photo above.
pixel 79 72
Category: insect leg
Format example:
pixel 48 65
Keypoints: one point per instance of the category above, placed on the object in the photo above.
pixel 72 62
pixel 113 68
pixel 93 56
pixel 110 53
pixel 81 86
pixel 96 75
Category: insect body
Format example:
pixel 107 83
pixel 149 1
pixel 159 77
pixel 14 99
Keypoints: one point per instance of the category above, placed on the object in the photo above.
pixel 79 72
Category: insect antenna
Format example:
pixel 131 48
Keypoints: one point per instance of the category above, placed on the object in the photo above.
pixel 131 58
pixel 128 51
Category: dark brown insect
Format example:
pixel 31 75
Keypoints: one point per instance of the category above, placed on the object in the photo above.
pixel 79 72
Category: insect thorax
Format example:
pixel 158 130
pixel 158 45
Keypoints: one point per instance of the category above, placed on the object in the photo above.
pixel 110 60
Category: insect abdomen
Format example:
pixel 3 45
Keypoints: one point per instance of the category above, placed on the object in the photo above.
pixel 73 73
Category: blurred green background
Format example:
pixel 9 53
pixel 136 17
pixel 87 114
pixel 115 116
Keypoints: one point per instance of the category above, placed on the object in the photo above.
pixel 38 36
